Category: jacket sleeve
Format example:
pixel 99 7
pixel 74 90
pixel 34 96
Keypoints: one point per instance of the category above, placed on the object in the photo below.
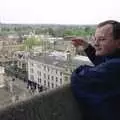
pixel 95 83
pixel 90 51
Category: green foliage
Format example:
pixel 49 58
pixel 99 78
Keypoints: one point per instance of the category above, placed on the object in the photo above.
pixel 54 30
pixel 31 41
pixel 87 31
pixel 22 48
pixel 51 31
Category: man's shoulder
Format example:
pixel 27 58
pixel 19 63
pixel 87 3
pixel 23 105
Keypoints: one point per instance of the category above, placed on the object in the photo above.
pixel 110 64
pixel 113 61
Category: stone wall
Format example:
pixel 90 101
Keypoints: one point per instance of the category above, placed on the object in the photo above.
pixel 58 104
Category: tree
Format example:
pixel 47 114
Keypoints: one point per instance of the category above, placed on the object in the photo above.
pixel 87 31
pixel 31 41
pixel 51 31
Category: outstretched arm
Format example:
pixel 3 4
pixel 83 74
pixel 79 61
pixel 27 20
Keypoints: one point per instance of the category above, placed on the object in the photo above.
pixel 90 51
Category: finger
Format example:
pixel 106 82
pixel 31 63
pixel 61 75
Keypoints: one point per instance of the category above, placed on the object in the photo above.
pixel 75 44
pixel 78 41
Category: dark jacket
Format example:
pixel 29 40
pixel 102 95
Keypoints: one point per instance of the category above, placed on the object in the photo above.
pixel 97 89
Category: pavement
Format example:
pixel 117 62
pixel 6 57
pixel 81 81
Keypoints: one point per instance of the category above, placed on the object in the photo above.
pixel 16 91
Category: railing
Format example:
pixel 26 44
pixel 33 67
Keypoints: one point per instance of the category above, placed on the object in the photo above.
pixel 57 104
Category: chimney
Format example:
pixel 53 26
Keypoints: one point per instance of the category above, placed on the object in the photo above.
pixel 68 56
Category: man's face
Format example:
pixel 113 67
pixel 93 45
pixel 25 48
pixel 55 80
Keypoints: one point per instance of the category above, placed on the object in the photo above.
pixel 104 42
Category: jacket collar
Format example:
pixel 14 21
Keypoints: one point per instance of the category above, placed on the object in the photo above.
pixel 116 54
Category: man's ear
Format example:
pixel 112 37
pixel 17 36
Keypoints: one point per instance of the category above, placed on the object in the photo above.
pixel 118 43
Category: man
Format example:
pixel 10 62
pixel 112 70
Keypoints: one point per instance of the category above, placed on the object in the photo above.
pixel 97 89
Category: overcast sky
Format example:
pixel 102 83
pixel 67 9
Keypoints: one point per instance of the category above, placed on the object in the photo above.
pixel 59 11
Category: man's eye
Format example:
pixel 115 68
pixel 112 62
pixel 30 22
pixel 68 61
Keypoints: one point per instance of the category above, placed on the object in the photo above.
pixel 101 39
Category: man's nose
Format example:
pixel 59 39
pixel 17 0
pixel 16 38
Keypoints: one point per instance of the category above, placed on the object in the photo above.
pixel 96 43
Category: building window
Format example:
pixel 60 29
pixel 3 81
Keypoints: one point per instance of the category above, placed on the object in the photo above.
pixel 31 77
pixel 39 73
pixel 56 79
pixel 23 65
pixel 23 57
pixel 44 75
pixel 44 68
pixel 32 64
pixel 31 70
pixel 39 66
pixel 45 82
pixel 66 70
pixel 39 80
pixel 52 78
pixel 19 63
pixel 48 84
pixel 52 85
pixel 48 69
pixel 48 77
pixel 52 70
pixel 56 71
pixel 60 73
pixel 60 80
pixel 66 78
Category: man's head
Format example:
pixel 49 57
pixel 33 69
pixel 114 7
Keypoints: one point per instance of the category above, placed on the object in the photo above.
pixel 107 38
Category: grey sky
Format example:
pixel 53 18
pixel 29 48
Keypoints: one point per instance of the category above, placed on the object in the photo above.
pixel 59 11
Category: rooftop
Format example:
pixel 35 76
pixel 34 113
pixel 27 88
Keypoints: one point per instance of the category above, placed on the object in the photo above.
pixel 61 60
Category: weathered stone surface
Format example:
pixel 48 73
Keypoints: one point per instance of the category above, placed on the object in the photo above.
pixel 58 104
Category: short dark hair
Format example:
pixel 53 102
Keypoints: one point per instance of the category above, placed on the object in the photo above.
pixel 116 27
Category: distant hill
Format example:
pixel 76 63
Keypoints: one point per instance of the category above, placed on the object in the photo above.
pixel 56 30
pixel 45 25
